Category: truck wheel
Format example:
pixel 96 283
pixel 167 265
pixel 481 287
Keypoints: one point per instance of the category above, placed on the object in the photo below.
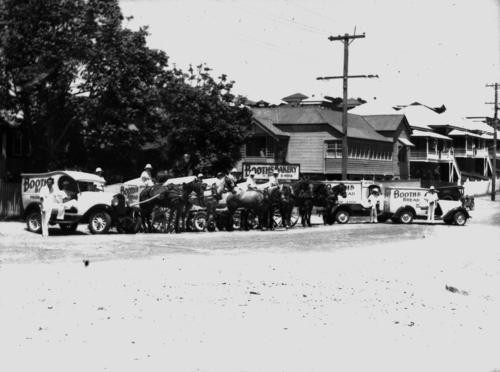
pixel 459 218
pixel 34 222
pixel 342 217
pixel 68 228
pixel 99 222
pixel 406 217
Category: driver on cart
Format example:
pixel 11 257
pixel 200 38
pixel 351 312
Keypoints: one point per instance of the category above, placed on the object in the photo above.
pixel 250 183
pixel 146 177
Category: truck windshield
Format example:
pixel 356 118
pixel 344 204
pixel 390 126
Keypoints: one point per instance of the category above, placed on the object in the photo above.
pixel 89 186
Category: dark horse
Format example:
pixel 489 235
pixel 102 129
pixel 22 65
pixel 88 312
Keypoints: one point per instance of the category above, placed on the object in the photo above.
pixel 332 200
pixel 174 197
pixel 310 194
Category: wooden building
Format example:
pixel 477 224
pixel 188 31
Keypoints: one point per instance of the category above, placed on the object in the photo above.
pixel 311 136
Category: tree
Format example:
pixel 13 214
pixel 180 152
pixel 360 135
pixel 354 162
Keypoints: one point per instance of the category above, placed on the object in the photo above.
pixel 88 91
pixel 205 119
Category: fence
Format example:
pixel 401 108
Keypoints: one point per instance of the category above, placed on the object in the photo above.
pixel 479 187
pixel 10 200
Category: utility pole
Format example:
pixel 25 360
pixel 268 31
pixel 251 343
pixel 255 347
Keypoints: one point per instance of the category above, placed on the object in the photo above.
pixel 495 124
pixel 346 40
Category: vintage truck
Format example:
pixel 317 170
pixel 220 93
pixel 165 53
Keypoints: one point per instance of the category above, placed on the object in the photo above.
pixel 355 204
pixel 405 204
pixel 100 209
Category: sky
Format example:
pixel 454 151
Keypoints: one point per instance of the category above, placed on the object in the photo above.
pixel 432 51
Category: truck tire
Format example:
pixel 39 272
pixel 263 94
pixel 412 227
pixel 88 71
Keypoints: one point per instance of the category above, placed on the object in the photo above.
pixel 34 222
pixel 406 217
pixel 342 216
pixel 99 222
pixel 459 218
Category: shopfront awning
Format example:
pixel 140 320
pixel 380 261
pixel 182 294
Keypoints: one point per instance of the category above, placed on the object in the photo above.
pixel 423 133
pixel 405 142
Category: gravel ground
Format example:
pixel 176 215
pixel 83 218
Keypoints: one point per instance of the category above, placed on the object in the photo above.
pixel 355 297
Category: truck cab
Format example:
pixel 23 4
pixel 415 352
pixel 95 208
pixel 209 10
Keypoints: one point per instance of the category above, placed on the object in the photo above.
pixel 92 204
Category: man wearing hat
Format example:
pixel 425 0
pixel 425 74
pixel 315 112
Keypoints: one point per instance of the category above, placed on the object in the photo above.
pixel 146 177
pixel 431 198
pixel 99 172
pixel 375 202
pixel 233 175
pixel 273 180
pixel 250 183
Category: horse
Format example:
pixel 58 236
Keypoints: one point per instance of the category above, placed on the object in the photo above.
pixel 286 205
pixel 213 201
pixel 304 191
pixel 260 202
pixel 174 197
pixel 332 199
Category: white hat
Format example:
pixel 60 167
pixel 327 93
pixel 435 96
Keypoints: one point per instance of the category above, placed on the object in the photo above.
pixel 234 170
pixel 432 188
pixel 375 190
pixel 200 175
pixel 148 166
pixel 98 169
pixel 252 173
pixel 276 171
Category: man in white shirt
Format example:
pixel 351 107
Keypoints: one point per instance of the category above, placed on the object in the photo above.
pixel 431 198
pixel 99 172
pixel 273 180
pixel 146 177
pixel 50 198
pixel 250 182
pixel 375 202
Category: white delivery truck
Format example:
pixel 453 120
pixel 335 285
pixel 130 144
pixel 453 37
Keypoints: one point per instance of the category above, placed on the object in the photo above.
pixel 404 204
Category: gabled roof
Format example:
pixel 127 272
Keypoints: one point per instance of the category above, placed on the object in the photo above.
pixel 358 127
pixel 267 125
pixel 383 123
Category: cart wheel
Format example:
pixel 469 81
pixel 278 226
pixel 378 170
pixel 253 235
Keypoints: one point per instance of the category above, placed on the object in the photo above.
pixel 295 216
pixel 199 221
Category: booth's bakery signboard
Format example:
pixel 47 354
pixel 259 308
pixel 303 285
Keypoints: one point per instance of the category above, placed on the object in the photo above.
pixel 263 171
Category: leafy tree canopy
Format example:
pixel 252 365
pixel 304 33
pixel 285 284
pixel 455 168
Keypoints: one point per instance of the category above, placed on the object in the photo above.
pixel 87 91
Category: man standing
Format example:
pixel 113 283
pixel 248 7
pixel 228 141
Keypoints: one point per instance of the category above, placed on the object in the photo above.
pixel 431 198
pixel 375 201
pixel 146 177
pixel 50 199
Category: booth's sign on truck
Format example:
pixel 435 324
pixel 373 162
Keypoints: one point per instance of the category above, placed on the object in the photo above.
pixel 264 171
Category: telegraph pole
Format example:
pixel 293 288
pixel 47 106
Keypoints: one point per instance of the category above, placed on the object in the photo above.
pixel 495 124
pixel 346 40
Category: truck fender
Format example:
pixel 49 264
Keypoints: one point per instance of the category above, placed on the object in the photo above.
pixel 35 206
pixel 451 212
pixel 97 207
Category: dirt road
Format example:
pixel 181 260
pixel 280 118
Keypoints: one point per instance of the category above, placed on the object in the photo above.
pixel 350 298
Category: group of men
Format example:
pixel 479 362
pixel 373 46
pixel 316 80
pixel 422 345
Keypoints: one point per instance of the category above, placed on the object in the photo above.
pixel 375 201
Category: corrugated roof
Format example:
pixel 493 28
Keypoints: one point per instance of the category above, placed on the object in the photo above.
pixel 423 117
pixel 384 122
pixel 295 97
pixel 358 127
pixel 422 133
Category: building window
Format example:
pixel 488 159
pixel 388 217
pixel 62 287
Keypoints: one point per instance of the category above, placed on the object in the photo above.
pixel 334 149
pixel 260 146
